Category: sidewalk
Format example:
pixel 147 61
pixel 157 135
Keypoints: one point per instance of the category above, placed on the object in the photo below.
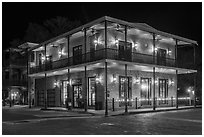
pixel 54 112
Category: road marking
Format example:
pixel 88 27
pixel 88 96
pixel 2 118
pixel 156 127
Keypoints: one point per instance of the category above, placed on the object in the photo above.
pixel 182 119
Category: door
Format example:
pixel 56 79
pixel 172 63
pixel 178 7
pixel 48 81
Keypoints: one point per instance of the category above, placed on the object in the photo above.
pixel 77 54
pixel 163 91
pixel 145 93
pixel 64 92
pixel 91 91
pixel 125 51
pixel 161 57
pixel 77 96
pixel 123 87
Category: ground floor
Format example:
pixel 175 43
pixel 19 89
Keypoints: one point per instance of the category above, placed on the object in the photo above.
pixel 110 85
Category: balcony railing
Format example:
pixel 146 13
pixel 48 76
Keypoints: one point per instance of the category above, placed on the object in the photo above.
pixel 100 54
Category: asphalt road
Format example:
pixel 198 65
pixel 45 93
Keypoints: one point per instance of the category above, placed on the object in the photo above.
pixel 179 122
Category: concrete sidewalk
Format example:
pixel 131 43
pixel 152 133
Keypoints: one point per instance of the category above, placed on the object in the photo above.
pixel 54 112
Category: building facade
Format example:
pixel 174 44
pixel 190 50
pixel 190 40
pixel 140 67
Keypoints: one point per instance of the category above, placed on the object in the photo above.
pixel 14 75
pixel 109 63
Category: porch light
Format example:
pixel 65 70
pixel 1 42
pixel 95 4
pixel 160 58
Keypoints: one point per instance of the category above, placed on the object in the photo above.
pixel 98 80
pixel 60 53
pixel 56 83
pixel 114 78
pixel 169 52
pixel 155 49
pixel 95 42
pixel 116 42
pixel 156 81
pixel 135 45
pixel 136 80
pixel 43 58
pixel 171 82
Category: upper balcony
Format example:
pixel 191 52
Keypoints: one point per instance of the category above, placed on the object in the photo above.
pixel 117 40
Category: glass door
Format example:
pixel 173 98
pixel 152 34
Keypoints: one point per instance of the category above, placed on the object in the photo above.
pixel 77 96
pixel 125 53
pixel 161 56
pixel 123 87
pixel 64 92
pixel 77 54
pixel 91 91
pixel 163 91
pixel 145 94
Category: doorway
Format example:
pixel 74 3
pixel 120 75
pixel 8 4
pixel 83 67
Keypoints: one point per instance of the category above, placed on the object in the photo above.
pixel 123 88
pixel 125 51
pixel 77 96
pixel 161 57
pixel 145 93
pixel 92 91
pixel 77 54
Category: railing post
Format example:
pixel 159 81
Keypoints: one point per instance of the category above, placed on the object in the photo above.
pixel 105 39
pixel 113 104
pixel 136 103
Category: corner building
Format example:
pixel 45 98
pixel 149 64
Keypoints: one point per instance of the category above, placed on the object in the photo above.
pixel 109 60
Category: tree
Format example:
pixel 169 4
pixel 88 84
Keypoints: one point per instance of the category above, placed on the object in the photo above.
pixel 59 25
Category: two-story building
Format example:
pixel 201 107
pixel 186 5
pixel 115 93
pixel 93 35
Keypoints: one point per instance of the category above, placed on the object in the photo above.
pixel 108 60
pixel 14 75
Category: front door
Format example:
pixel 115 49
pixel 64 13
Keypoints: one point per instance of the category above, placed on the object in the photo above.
pixel 77 54
pixel 161 56
pixel 125 51
pixel 77 96
pixel 64 92
pixel 163 91
pixel 123 87
pixel 91 91
pixel 145 93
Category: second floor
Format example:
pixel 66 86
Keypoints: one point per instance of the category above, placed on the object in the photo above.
pixel 109 38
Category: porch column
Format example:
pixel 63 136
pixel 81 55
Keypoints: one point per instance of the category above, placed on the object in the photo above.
pixel 176 47
pixel 126 89
pixel 177 89
pixel 195 74
pixel 85 87
pixel 105 39
pixel 45 92
pixel 153 101
pixel 68 86
pixel 153 48
pixel 106 91
pixel 28 80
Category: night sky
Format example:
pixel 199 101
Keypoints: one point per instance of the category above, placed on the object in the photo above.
pixel 183 19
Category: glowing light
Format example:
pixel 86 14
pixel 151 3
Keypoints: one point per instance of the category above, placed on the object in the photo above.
pixel 144 86
pixel 155 49
pixel 116 42
pixel 60 53
pixel 171 82
pixel 56 83
pixel 169 52
pixel 98 79
pixel 114 78
pixel 193 92
pixel 95 42
pixel 135 45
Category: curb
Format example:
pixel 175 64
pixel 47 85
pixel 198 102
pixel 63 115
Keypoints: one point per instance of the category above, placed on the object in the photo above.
pixel 153 111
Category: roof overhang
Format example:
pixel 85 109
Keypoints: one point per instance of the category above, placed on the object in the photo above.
pixel 135 25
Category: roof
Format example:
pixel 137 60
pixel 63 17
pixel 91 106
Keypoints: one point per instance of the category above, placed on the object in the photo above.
pixel 141 26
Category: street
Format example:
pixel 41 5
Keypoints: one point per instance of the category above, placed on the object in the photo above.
pixel 178 122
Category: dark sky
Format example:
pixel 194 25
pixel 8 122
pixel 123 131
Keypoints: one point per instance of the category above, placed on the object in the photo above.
pixel 183 19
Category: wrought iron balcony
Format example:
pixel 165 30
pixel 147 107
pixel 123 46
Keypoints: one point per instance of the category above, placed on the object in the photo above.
pixel 113 54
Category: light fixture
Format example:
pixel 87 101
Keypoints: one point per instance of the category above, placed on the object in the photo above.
pixel 136 80
pixel 155 49
pixel 116 42
pixel 156 81
pixel 60 53
pixel 56 83
pixel 171 82
pixel 146 45
pixel 97 79
pixel 114 78
pixel 95 42
pixel 135 45
pixel 169 52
